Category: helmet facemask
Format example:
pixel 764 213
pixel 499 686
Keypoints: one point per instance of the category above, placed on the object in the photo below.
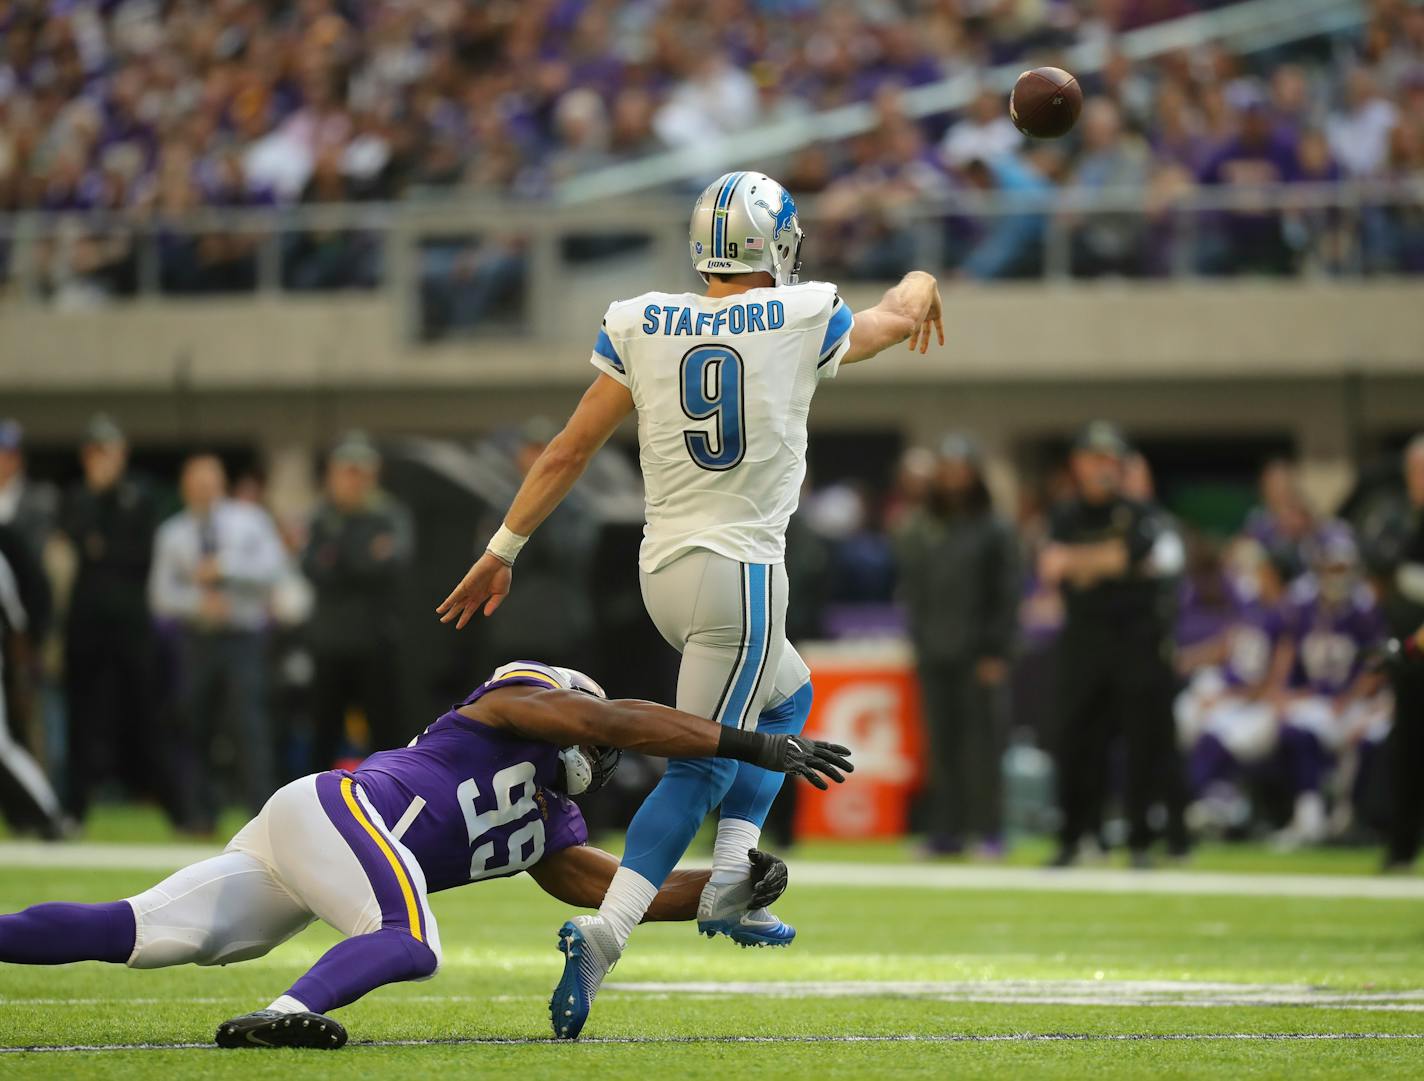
pixel 586 768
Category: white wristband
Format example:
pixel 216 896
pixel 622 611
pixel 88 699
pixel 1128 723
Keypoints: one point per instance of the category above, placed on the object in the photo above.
pixel 505 545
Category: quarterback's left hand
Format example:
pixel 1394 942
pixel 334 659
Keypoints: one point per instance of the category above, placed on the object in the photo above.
pixel 485 584
pixel 768 878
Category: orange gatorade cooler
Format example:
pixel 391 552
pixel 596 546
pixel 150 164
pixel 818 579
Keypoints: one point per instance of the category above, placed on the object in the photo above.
pixel 867 698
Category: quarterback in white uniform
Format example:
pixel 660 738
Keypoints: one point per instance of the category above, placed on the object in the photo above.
pixel 722 383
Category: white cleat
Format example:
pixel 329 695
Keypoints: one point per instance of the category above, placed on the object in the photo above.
pixel 722 910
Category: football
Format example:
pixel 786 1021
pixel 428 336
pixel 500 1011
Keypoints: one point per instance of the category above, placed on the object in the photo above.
pixel 1045 103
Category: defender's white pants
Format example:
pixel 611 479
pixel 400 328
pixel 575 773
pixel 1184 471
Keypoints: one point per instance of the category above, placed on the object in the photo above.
pixel 288 866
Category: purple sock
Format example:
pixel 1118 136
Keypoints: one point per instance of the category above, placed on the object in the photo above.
pixel 360 964
pixel 1306 758
pixel 60 932
pixel 1210 762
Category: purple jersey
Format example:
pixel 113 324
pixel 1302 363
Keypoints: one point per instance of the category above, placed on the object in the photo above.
pixel 487 808
pixel 1250 643
pixel 1331 639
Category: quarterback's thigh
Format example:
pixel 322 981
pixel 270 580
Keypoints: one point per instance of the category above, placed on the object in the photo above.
pixel 331 849
pixel 224 909
pixel 732 654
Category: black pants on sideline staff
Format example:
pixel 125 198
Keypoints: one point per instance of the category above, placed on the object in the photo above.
pixel 368 680
pixel 968 725
pixel 110 681
pixel 1405 751
pixel 1111 682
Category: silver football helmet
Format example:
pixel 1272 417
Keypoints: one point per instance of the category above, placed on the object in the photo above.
pixel 745 222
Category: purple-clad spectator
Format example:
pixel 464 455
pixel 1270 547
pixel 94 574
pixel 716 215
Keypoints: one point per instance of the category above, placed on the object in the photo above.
pixel 1258 156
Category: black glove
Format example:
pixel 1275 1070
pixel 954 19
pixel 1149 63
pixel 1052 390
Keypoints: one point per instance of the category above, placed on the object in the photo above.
pixel 808 758
pixel 768 878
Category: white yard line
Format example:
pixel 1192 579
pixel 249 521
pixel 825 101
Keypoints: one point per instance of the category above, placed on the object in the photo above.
pixel 92 856
pixel 1049 992
pixel 931 1038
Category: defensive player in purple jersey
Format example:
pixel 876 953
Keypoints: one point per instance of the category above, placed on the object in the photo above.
pixel 482 793
pixel 1331 706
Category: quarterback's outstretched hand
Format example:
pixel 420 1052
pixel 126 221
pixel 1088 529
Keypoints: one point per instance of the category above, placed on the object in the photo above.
pixel 485 585
pixel 931 314
pixel 768 878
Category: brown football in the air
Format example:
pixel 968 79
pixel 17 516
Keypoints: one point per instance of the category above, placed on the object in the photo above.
pixel 1045 103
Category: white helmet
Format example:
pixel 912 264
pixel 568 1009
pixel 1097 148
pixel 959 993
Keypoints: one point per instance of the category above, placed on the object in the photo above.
pixel 745 222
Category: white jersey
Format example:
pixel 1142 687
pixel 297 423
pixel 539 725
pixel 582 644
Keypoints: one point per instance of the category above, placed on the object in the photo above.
pixel 723 387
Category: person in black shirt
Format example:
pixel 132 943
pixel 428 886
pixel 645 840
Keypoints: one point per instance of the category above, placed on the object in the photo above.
pixel 1404 609
pixel 357 557
pixel 959 581
pixel 109 665
pixel 1110 651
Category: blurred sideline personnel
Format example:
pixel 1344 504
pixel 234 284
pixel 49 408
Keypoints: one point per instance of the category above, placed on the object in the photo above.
pixel 722 384
pixel 214 566
pixel 27 800
pixel 363 851
pixel 959 582
pixel 109 664
pixel 1112 652
pixel 356 558
pixel 1404 608
pixel 552 614
pixel 1227 714
pixel 25 506
pixel 1166 566
pixel 1332 716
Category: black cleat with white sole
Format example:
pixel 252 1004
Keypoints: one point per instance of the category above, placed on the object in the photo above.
pixel 268 1028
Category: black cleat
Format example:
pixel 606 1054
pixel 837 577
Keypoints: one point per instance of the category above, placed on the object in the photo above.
pixel 268 1028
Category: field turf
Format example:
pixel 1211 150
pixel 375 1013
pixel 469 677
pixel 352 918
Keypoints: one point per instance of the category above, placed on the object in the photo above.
pixel 884 981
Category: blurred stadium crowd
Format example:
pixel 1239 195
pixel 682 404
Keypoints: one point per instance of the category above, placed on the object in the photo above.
pixel 152 108
pixel 1234 685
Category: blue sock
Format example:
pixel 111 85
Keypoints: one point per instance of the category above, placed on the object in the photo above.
pixel 672 814
pixel 754 789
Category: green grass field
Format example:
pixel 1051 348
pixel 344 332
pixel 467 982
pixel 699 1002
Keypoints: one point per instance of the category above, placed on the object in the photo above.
pixel 884 980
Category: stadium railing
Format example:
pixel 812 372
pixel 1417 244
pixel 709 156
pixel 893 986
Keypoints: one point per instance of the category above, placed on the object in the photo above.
pixel 457 267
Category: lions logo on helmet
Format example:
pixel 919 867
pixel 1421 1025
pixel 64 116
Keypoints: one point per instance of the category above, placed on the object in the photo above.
pixel 745 222
pixel 784 216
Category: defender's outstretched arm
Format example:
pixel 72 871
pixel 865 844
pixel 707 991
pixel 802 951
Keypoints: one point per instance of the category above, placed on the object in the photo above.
pixel 907 311
pixel 580 876
pixel 603 407
pixel 565 718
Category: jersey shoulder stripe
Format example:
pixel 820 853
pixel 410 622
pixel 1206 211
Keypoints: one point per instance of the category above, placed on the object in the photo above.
pixel 604 347
pixel 838 328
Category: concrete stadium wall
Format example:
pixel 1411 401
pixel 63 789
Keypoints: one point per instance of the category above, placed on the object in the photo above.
pixel 1324 364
